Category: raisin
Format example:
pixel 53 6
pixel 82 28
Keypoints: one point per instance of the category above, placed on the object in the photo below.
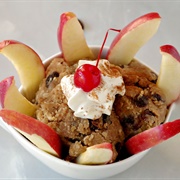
pixel 122 66
pixel 146 113
pixel 50 78
pixel 154 81
pixel 127 120
pixel 157 97
pixel 141 101
pixel 94 124
pixel 106 119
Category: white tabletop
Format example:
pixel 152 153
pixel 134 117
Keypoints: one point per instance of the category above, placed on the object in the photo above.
pixel 35 23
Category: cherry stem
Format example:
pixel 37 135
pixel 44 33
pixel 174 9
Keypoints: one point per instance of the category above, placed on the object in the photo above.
pixel 104 41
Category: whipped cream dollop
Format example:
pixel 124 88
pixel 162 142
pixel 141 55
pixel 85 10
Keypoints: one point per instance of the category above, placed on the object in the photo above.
pixel 99 100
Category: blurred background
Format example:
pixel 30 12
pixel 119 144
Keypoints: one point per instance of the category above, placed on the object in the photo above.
pixel 35 24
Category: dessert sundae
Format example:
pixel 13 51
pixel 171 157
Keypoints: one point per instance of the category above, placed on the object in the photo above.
pixel 90 109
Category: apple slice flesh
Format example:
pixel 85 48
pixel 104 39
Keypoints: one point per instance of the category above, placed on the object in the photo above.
pixel 71 39
pixel 169 76
pixel 37 132
pixel 152 137
pixel 11 98
pixel 27 63
pixel 132 37
pixel 97 154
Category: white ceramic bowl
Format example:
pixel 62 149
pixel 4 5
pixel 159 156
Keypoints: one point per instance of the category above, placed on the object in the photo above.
pixel 71 169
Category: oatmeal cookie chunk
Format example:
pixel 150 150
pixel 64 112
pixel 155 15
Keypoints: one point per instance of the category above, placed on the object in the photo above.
pixel 143 105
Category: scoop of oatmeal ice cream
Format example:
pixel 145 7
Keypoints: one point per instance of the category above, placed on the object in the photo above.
pixel 141 107
pixel 76 133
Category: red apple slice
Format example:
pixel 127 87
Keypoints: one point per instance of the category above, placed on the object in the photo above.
pixel 71 39
pixel 37 132
pixel 169 76
pixel 152 137
pixel 11 98
pixel 27 63
pixel 131 38
pixel 97 154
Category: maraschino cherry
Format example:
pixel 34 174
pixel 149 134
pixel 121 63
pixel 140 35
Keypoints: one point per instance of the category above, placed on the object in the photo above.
pixel 87 76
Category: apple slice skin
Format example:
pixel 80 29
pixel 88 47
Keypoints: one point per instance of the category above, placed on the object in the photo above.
pixel 32 126
pixel 152 137
pixel 11 98
pixel 169 76
pixel 63 19
pixel 122 53
pixel 4 86
pixel 170 50
pixel 27 63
